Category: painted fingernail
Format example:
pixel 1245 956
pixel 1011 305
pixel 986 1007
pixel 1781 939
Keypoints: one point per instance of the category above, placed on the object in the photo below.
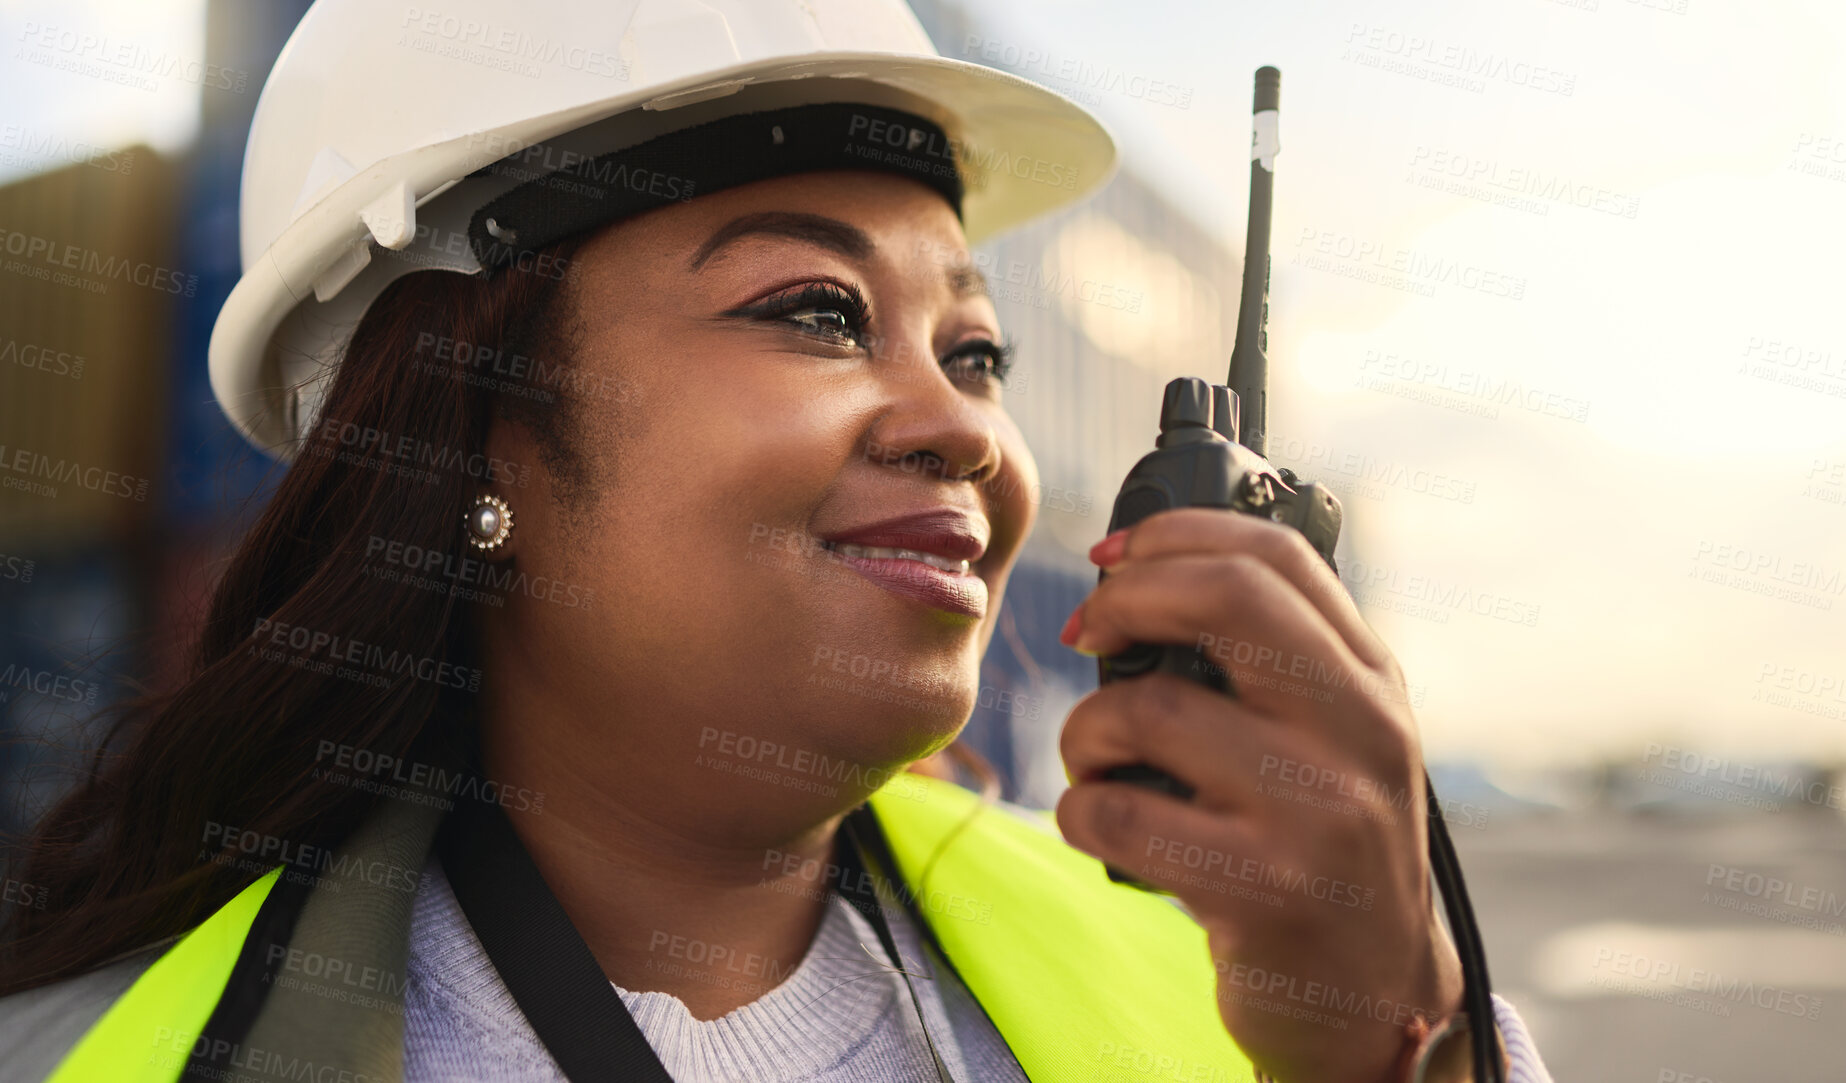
pixel 1109 550
pixel 1071 626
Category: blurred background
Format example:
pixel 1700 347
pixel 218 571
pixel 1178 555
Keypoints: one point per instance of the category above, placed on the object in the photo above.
pixel 1556 313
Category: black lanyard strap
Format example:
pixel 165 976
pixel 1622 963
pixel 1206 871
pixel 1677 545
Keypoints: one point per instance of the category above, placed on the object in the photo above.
pixel 540 956
pixel 861 891
pixel 552 974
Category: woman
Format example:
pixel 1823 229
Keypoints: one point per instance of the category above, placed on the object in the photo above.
pixel 554 719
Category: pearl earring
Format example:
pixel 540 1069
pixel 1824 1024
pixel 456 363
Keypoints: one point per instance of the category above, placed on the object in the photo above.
pixel 489 522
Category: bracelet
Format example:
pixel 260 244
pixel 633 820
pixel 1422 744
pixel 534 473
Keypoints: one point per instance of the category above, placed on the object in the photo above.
pixel 1444 1050
pixel 1447 1056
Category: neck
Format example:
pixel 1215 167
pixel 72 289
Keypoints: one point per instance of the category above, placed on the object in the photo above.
pixel 711 889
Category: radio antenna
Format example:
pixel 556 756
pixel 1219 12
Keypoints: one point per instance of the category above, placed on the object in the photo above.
pixel 1249 376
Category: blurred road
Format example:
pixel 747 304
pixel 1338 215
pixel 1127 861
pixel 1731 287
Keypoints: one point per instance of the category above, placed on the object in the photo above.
pixel 1571 903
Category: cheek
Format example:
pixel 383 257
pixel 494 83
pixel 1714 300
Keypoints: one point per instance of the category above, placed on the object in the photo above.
pixel 776 456
pixel 722 478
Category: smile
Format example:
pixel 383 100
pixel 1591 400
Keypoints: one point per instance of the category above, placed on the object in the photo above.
pixel 881 552
pixel 936 581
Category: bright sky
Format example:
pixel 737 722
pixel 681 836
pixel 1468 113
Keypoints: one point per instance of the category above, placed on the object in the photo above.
pixel 78 79
pixel 1661 283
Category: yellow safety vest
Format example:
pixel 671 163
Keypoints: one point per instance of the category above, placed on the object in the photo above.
pixel 1085 979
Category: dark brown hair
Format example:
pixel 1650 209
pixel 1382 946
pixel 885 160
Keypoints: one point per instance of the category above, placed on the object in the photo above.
pixel 122 861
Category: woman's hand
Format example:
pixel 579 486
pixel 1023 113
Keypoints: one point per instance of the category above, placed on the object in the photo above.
pixel 1304 852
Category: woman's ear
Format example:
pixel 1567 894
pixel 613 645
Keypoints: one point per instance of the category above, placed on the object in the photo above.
pixel 512 482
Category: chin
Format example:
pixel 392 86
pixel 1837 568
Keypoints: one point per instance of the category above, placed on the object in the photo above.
pixel 890 733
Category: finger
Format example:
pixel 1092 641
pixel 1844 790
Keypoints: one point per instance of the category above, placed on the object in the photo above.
pixel 1198 855
pixel 1208 530
pixel 1236 759
pixel 1211 741
pixel 1277 650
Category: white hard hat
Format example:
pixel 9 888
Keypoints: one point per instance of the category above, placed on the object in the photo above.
pixel 375 127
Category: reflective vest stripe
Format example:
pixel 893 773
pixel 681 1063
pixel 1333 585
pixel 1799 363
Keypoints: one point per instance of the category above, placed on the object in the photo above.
pixel 148 1033
pixel 1085 978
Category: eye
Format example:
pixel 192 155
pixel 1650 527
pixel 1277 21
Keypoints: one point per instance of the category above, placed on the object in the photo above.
pixel 829 321
pixel 825 310
pixel 985 359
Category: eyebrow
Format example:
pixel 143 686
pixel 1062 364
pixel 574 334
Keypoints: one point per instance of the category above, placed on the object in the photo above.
pixel 842 237
pixel 831 233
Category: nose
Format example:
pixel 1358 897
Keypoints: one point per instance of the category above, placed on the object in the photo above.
pixel 932 423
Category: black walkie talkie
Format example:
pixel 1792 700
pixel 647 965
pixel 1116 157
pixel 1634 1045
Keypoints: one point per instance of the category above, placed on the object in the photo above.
pixel 1210 453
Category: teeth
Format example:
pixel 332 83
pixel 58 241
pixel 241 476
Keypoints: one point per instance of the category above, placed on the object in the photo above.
pixel 957 567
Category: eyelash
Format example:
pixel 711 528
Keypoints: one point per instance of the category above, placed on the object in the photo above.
pixel 848 302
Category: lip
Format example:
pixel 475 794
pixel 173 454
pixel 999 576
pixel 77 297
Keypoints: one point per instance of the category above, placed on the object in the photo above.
pixel 944 532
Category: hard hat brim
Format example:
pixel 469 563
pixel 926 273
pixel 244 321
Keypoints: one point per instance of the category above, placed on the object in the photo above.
pixel 1026 151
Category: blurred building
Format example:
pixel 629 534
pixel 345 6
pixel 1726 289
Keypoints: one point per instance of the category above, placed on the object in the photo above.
pixel 121 482
pixel 88 294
